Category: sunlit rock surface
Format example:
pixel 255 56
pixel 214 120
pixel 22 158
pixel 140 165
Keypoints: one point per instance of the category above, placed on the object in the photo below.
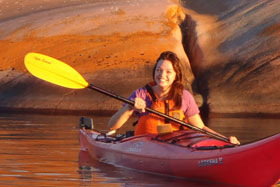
pixel 113 44
pixel 230 50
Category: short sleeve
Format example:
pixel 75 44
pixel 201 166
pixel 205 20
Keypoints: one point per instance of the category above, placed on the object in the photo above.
pixel 189 105
pixel 141 93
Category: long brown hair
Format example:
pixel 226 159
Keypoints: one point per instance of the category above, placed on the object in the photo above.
pixel 177 88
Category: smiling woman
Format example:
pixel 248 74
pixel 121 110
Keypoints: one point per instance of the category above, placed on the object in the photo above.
pixel 167 75
pixel 166 95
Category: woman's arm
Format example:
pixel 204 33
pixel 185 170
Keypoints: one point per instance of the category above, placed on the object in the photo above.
pixel 120 117
pixel 197 121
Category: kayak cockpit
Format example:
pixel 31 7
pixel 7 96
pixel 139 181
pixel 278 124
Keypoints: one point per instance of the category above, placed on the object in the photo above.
pixel 184 138
pixel 192 139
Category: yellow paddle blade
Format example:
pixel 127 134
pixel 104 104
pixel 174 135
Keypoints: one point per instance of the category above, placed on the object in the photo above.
pixel 54 71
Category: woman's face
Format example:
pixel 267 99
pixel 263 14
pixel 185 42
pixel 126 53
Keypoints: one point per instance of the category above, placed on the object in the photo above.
pixel 164 74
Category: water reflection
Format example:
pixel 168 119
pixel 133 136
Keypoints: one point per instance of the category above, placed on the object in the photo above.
pixel 37 151
pixel 41 150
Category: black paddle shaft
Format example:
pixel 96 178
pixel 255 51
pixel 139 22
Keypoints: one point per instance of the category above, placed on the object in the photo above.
pixel 123 99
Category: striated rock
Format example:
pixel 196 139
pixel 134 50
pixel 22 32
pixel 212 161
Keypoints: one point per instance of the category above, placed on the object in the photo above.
pixel 113 44
pixel 235 54
pixel 230 51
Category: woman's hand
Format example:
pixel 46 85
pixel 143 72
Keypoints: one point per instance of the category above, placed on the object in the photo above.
pixel 139 104
pixel 234 140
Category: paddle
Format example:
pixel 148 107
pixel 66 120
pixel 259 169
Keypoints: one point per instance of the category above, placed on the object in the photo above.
pixel 59 73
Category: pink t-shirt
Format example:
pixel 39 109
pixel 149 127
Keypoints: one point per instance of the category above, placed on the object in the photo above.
pixel 189 106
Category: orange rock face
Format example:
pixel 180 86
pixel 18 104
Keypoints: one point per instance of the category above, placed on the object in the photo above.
pixel 230 51
pixel 113 44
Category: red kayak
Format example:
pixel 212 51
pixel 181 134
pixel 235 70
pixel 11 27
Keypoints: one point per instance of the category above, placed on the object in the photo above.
pixel 189 154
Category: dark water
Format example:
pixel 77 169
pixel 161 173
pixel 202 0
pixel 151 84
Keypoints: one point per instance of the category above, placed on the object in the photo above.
pixel 41 150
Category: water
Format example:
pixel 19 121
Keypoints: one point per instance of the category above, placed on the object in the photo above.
pixel 41 150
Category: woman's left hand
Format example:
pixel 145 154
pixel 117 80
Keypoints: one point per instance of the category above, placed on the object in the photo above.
pixel 234 140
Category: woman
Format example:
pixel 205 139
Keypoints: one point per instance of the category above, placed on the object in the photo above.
pixel 166 94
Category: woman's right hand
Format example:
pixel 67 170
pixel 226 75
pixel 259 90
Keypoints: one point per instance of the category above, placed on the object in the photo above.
pixel 234 140
pixel 139 105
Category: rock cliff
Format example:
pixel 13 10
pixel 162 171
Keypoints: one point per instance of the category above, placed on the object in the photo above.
pixel 238 50
pixel 229 49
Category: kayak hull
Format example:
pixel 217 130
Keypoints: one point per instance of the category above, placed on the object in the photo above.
pixel 255 164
